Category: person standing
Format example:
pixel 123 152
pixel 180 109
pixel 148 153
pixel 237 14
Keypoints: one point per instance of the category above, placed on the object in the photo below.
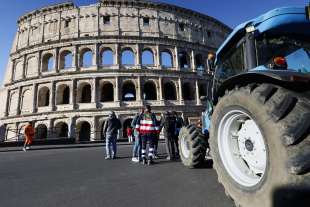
pixel 148 129
pixel 129 134
pixel 136 152
pixel 169 125
pixel 29 134
pixel 179 124
pixel 110 129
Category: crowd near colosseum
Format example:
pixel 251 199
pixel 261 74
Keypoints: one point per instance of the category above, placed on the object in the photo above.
pixel 69 66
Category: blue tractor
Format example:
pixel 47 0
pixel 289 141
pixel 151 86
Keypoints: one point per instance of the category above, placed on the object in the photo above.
pixel 257 122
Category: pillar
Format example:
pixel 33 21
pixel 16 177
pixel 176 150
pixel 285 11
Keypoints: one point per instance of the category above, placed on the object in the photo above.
pixel 176 51
pixel 53 97
pixel 94 91
pixel 138 89
pixel 116 90
pixel 180 92
pixel 117 55
pixel 20 96
pixel 6 112
pixel 198 101
pixel 35 98
pixel 160 88
pixel 193 61
pixel 73 93
pixel 158 56
pixel 71 128
pixel 138 55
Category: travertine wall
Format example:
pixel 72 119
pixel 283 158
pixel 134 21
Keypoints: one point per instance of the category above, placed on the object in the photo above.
pixel 67 101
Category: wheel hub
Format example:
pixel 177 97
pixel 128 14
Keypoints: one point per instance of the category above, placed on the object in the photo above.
pixel 242 148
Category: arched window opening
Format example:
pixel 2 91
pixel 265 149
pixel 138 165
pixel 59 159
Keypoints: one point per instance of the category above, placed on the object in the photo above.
pixel 26 102
pixel 84 130
pixel 170 92
pixel 62 130
pixel 87 58
pixel 188 92
pixel 203 90
pixel 107 57
pixel 129 92
pixel 149 91
pixel 184 60
pixel 63 95
pixel 199 62
pixel 66 60
pixel 85 96
pixel 147 57
pixel 126 124
pixel 107 92
pixel 128 57
pixel 41 132
pixel 44 97
pixel 48 63
pixel 166 59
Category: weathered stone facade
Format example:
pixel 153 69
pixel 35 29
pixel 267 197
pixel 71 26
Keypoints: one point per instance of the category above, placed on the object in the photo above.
pixel 48 82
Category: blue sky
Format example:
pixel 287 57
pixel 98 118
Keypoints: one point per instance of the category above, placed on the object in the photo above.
pixel 231 12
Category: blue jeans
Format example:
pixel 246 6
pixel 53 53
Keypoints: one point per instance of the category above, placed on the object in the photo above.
pixel 136 152
pixel 111 145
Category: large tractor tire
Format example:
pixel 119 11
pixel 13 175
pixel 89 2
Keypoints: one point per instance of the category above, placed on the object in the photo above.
pixel 260 145
pixel 193 146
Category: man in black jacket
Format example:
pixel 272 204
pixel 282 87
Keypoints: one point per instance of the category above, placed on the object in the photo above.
pixel 110 130
pixel 169 123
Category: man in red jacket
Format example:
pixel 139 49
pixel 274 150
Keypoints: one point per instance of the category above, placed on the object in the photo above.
pixel 148 129
pixel 29 134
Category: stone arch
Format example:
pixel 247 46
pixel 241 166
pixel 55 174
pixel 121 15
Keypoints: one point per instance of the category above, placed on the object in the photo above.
pixel 63 94
pixel 107 92
pixel 26 101
pixel 128 56
pixel 10 134
pixel 184 60
pixel 66 59
pixel 13 103
pixel 129 91
pixel 149 91
pixel 48 62
pixel 188 91
pixel 41 132
pixel 86 58
pixel 147 57
pixel 107 57
pixel 84 93
pixel 83 131
pixel 199 62
pixel 19 70
pixel 170 91
pixel 166 58
pixel 61 130
pixel 31 66
pixel 44 97
pixel 126 124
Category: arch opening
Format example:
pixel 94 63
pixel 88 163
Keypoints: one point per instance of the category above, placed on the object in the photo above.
pixel 63 95
pixel 87 58
pixel 44 97
pixel 84 130
pixel 128 57
pixel 107 57
pixel 84 93
pixel 149 91
pixel 147 57
pixel 188 92
pixel 66 60
pixel 107 92
pixel 184 60
pixel 170 92
pixel 41 132
pixel 129 91
pixel 166 59
pixel 48 63
pixel 62 130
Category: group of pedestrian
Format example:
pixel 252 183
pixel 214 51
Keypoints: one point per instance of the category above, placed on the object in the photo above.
pixel 144 132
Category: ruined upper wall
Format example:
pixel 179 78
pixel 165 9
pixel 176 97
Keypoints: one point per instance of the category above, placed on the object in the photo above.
pixel 125 18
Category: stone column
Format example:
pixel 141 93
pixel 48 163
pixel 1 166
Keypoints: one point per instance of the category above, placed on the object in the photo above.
pixel 24 66
pixel 6 112
pixel 181 100
pixel 96 56
pixel 160 88
pixel 176 57
pixel 138 89
pixel 158 57
pixel 56 60
pixel 35 98
pixel 76 58
pixel 193 61
pixel 73 93
pixel 94 91
pixel 116 55
pixel 13 71
pixel 39 63
pixel 116 91
pixel 50 130
pixel 138 56
pixel 71 128
pixel 20 96
pixel 53 96
pixel 198 101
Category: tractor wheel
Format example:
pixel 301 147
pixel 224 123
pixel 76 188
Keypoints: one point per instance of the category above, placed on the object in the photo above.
pixel 193 145
pixel 260 145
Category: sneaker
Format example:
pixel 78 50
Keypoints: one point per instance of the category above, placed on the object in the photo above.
pixel 24 149
pixel 27 148
pixel 107 158
pixel 168 158
pixel 134 159
pixel 114 157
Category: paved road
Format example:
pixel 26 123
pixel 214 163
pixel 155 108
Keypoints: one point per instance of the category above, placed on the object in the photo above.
pixel 81 177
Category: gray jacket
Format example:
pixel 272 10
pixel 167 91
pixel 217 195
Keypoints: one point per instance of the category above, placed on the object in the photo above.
pixel 111 126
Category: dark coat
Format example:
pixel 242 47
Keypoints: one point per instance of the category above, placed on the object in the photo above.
pixel 111 126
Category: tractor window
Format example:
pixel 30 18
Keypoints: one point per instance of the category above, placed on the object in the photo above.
pixel 232 63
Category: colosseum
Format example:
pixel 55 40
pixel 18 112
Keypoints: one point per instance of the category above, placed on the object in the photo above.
pixel 69 66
